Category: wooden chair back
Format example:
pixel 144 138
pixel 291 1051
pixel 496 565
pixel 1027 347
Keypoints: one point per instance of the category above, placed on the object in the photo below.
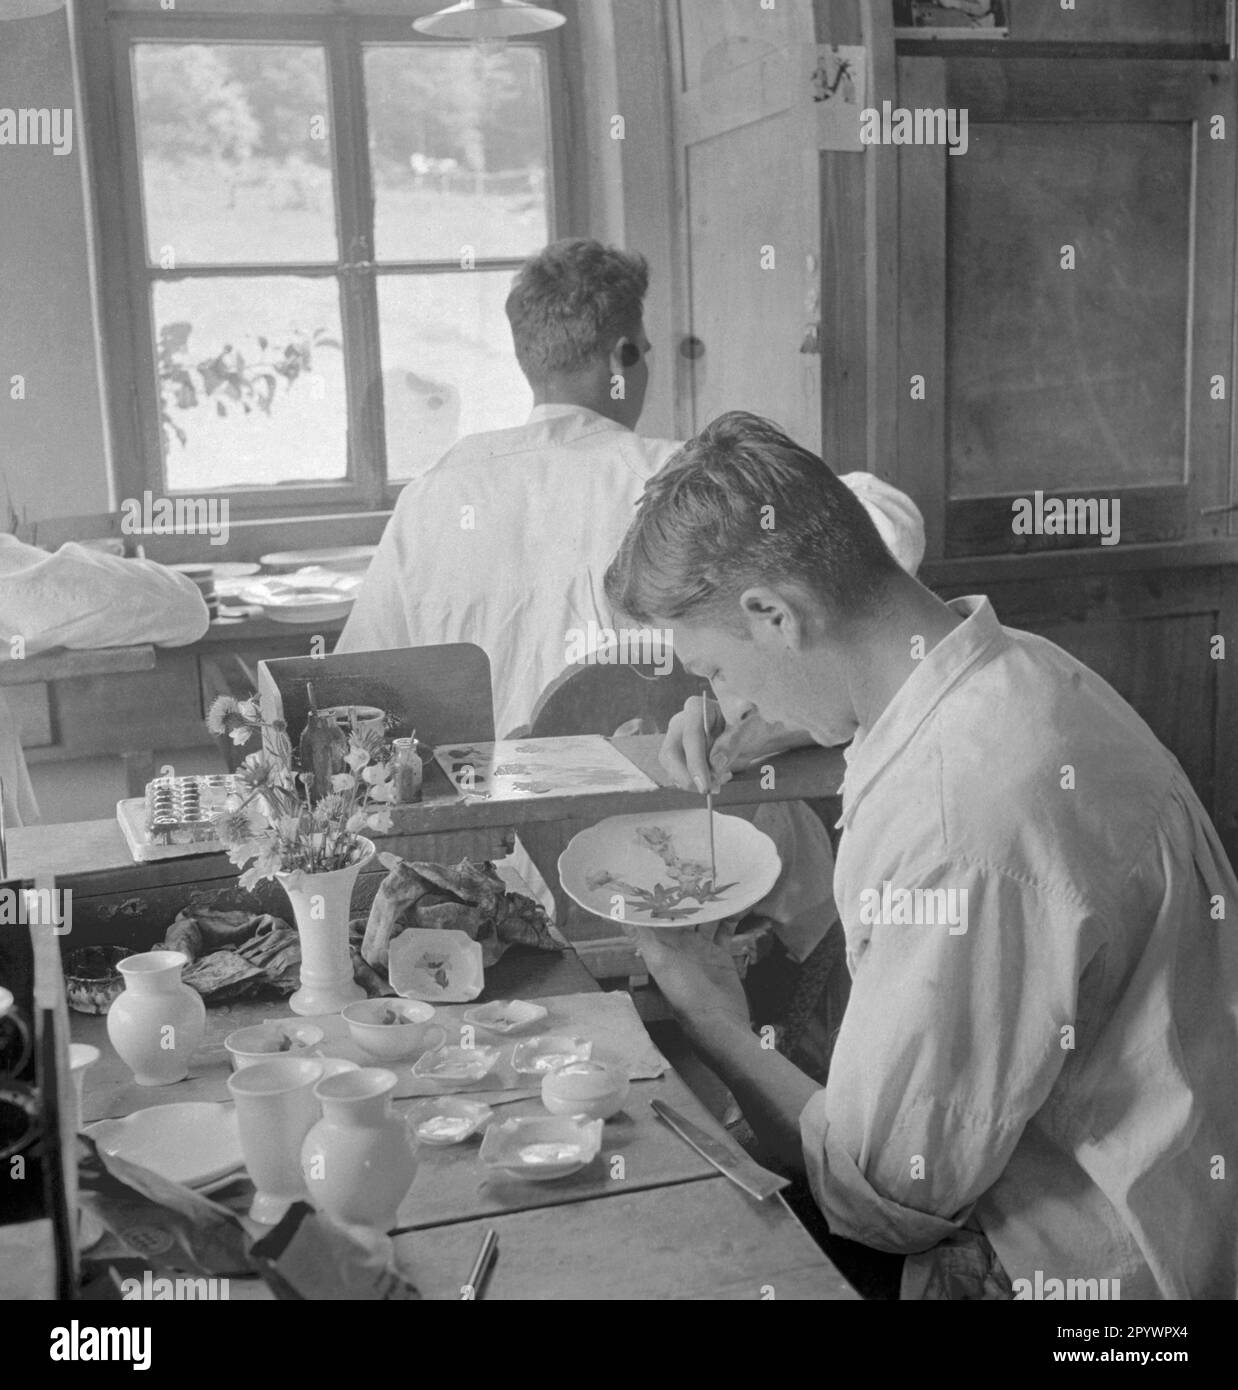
pixel 596 699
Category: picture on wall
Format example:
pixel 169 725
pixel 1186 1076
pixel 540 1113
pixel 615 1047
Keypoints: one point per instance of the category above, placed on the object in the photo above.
pixel 953 19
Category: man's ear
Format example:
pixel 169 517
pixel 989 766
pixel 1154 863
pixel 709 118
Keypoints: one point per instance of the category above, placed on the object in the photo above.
pixel 771 612
pixel 626 353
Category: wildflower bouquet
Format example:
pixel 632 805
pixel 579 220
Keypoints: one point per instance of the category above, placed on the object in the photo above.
pixel 280 822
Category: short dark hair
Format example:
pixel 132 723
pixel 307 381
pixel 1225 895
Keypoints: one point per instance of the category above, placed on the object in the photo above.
pixel 744 504
pixel 571 302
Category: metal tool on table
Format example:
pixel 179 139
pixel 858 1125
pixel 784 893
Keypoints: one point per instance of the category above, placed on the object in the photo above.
pixel 472 1287
pixel 709 796
pixel 729 1160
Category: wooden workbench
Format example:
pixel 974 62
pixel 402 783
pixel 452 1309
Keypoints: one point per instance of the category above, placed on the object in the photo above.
pixel 662 1223
pixel 117 900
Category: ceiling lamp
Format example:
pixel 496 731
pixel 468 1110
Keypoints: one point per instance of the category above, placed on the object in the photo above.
pixel 488 22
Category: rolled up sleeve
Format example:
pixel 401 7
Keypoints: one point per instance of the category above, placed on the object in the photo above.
pixel 951 1043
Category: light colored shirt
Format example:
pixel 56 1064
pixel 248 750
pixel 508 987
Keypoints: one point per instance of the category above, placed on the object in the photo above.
pixel 505 543
pixel 78 597
pixel 1060 1076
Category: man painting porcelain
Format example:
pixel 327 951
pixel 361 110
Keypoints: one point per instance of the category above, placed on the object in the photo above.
pixel 1043 1095
pixel 546 502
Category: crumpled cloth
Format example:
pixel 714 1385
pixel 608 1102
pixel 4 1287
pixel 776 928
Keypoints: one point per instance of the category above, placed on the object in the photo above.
pixel 463 897
pixel 234 955
pixel 172 1227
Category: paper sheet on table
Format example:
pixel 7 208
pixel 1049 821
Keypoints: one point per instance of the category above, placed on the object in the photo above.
pixel 528 768
pixel 609 1019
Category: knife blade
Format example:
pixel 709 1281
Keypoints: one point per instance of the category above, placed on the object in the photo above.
pixel 730 1161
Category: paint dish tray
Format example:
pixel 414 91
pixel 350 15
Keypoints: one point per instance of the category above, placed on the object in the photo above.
pixel 179 809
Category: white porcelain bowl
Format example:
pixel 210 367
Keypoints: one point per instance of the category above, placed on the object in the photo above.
pixel 596 1090
pixel 262 1041
pixel 367 1023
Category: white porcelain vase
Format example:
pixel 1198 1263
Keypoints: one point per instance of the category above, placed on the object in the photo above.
pixel 157 1022
pixel 357 1160
pixel 320 906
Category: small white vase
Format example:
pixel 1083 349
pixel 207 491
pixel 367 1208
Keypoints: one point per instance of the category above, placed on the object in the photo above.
pixel 320 906
pixel 157 1022
pixel 275 1110
pixel 357 1160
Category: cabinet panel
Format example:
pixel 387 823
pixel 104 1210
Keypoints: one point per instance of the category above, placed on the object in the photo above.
pixel 1151 636
pixel 1110 378
pixel 1120 21
pixel 1162 667
pixel 1058 375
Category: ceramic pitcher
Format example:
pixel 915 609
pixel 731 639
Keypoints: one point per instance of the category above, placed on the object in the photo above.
pixel 320 904
pixel 357 1160
pixel 157 1022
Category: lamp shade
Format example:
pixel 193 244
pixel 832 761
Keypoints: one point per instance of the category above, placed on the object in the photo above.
pixel 487 19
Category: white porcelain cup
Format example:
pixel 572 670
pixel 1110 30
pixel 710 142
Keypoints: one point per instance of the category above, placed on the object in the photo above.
pixel 81 1056
pixel 275 1109
pixel 393 1042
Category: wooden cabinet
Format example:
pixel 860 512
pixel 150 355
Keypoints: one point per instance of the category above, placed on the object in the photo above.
pixel 1161 22
pixel 1072 306
pixel 1065 290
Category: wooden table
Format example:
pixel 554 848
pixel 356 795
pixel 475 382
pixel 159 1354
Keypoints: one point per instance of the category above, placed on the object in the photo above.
pixel 140 704
pixel 116 900
pixel 662 1223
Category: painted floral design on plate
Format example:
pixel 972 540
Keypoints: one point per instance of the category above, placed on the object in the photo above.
pixel 691 881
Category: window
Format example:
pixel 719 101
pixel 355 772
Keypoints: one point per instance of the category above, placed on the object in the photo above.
pixel 310 226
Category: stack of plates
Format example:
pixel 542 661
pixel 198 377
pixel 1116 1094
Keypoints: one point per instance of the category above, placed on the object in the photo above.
pixel 194 1143
pixel 343 559
pixel 313 595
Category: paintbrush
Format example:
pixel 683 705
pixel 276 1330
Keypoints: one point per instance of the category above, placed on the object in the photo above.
pixel 709 798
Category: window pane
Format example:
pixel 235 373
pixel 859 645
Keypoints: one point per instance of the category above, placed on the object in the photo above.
pixel 251 381
pixel 459 150
pixel 448 364
pixel 234 143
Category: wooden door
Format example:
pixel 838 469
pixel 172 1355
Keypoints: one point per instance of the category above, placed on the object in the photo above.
pixel 747 213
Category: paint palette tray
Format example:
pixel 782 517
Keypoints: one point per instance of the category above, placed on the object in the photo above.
pixel 179 809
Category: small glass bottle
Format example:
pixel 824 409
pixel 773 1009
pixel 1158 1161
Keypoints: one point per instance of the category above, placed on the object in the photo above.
pixel 406 770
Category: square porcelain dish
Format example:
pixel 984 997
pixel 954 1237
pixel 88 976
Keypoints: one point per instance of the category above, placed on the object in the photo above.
pixel 456 1063
pixel 445 1120
pixel 542 1054
pixel 437 966
pixel 542 1147
pixel 505 1016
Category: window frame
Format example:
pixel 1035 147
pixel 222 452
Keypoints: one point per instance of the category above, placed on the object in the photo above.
pixel 126 278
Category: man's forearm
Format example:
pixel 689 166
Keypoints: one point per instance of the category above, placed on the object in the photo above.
pixel 771 1091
